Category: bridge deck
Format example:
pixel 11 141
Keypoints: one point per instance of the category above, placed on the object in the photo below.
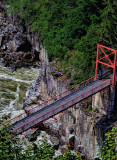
pixel 59 106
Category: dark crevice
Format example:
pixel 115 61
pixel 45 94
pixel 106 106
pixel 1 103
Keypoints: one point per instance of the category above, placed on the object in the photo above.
pixel 36 55
pixel 29 56
pixel 26 47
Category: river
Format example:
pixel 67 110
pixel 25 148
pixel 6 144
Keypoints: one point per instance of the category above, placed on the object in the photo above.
pixel 14 87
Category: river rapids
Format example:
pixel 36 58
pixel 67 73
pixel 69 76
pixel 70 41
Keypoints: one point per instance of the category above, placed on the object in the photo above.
pixel 14 87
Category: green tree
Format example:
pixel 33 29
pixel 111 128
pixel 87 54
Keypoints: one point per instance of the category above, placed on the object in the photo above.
pixel 108 150
pixel 60 23
pixel 8 149
pixel 70 30
pixel 44 151
pixel 68 156
pixel 11 149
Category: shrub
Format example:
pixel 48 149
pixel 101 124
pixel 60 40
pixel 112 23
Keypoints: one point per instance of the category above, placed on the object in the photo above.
pixel 109 150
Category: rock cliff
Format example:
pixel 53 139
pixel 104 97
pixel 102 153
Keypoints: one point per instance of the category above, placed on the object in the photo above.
pixel 18 46
pixel 83 126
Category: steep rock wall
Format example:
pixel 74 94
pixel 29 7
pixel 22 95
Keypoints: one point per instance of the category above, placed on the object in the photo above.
pixel 80 127
pixel 83 129
pixel 18 46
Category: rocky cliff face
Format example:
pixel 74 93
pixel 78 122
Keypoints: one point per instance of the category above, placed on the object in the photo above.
pixel 83 126
pixel 18 46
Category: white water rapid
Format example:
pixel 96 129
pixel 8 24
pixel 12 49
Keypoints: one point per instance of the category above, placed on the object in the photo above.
pixel 13 88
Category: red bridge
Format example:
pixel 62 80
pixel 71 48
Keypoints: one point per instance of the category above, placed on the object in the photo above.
pixel 78 93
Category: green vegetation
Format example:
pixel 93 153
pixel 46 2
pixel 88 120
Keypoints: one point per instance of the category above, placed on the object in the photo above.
pixel 109 150
pixel 11 149
pixel 70 30
pixel 67 156
pixel 96 110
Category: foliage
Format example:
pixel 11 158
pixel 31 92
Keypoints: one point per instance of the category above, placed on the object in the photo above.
pixel 68 156
pixel 45 151
pixel 11 149
pixel 8 150
pixel 108 151
pixel 96 110
pixel 70 30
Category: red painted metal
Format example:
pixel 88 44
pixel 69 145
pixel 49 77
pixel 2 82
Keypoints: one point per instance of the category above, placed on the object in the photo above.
pixel 102 92
pixel 38 107
pixel 23 134
pixel 83 102
pixel 106 56
pixel 33 129
pixel 58 107
pixel 108 81
pixel 97 58
pixel 79 86
pixel 114 69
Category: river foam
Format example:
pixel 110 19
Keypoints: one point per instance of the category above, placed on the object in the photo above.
pixel 13 88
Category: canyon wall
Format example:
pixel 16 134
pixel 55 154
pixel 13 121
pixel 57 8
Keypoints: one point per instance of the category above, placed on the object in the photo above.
pixel 18 46
pixel 83 126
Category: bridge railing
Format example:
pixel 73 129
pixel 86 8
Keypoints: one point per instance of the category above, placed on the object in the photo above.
pixel 61 95
pixel 48 102
pixel 13 120
pixel 62 107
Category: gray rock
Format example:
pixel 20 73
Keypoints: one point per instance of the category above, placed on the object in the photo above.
pixel 69 129
pixel 4 47
pixel 81 148
pixel 55 141
pixel 19 39
pixel 63 149
pixel 32 134
pixel 62 140
pixel 13 39
pixel 71 138
pixel 1 36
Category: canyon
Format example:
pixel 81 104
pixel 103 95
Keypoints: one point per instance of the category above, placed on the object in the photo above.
pixel 82 126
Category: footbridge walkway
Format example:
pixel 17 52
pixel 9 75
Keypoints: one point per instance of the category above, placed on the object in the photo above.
pixel 61 102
